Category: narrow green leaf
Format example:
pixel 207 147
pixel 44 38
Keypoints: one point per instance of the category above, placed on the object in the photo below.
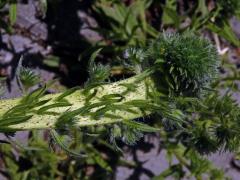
pixel 68 116
pixel 51 106
pixel 52 61
pixel 14 120
pixel 140 126
pixel 112 97
pixel 98 158
pixel 112 116
pixel 13 13
pixel 59 142
pixel 67 93
pixel 94 55
pixel 34 96
pixel 40 103
pixel 90 96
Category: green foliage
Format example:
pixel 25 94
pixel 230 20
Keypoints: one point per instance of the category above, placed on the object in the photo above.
pixel 58 140
pixel 28 78
pixel 201 17
pixel 125 24
pixel 130 131
pixel 187 58
pixel 34 160
pixel 190 164
pixel 224 30
pixel 174 71
pixel 190 61
pixel 170 16
pixel 98 73
pixel 12 14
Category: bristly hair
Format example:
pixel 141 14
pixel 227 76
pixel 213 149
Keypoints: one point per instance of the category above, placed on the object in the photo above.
pixel 190 62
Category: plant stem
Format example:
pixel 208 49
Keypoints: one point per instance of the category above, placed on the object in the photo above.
pixel 78 100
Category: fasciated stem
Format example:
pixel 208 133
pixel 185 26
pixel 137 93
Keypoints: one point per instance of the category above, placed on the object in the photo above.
pixel 99 99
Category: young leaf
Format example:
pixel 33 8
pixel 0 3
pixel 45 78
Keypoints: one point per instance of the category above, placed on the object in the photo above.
pixel 140 126
pixel 66 93
pixel 13 13
pixel 57 139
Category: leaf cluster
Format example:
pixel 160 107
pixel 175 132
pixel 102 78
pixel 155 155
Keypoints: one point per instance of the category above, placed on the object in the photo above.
pixel 185 63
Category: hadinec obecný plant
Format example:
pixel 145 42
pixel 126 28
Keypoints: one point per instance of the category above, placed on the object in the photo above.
pixel 182 65
pixel 175 65
pixel 172 85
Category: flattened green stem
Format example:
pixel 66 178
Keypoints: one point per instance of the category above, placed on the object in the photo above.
pixel 78 100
